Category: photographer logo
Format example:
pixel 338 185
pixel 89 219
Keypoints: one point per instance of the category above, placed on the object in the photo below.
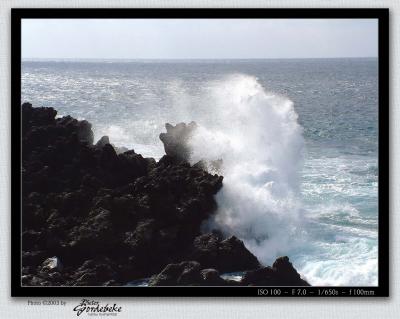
pixel 95 308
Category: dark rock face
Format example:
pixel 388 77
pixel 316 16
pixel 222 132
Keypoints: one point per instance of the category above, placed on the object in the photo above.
pixel 176 140
pixel 192 273
pixel 83 201
pixel 211 277
pixel 91 216
pixel 102 141
pixel 188 273
pixel 92 271
pixel 282 273
pixel 225 255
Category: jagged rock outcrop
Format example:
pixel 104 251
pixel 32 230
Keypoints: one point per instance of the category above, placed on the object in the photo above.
pixel 226 255
pixel 192 273
pixel 282 273
pixel 93 216
pixel 82 201
pixel 188 273
pixel 176 140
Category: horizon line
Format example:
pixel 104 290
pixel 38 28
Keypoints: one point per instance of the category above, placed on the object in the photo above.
pixel 194 59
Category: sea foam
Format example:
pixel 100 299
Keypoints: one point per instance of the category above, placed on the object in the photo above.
pixel 257 136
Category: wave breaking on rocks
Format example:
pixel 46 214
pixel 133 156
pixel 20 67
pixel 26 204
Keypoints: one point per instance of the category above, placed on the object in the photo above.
pixel 94 215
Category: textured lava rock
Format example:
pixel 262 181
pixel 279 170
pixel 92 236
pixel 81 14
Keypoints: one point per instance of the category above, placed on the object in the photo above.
pixel 188 273
pixel 93 215
pixel 82 201
pixel 282 273
pixel 176 140
pixel 225 255
pixel 191 273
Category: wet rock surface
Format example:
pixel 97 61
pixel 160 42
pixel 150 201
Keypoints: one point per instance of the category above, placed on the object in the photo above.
pixel 282 273
pixel 188 273
pixel 93 216
pixel 226 255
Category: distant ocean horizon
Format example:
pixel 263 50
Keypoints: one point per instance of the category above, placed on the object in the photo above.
pixel 298 137
pixel 163 60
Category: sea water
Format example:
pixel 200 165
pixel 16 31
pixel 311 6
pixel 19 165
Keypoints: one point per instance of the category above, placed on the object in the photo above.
pixel 298 139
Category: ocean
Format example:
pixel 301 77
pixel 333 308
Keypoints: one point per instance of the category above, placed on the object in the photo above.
pixel 298 139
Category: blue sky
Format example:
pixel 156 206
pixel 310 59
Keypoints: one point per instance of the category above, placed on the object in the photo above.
pixel 198 38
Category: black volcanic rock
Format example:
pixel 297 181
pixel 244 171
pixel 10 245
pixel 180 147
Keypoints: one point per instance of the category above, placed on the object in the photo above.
pixel 98 271
pixel 102 141
pixel 110 217
pixel 211 277
pixel 188 273
pixel 176 140
pixel 106 140
pixel 282 273
pixel 225 255
pixel 82 201
pixel 191 273
pixel 83 129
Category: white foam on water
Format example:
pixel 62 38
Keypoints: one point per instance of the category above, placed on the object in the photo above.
pixel 257 136
pixel 345 261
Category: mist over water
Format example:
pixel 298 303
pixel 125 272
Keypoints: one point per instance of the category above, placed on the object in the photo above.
pixel 298 140
pixel 257 136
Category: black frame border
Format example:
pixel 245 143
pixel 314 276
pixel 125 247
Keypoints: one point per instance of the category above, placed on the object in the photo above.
pixel 382 290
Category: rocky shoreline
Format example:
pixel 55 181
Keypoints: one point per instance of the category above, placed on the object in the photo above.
pixel 94 215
